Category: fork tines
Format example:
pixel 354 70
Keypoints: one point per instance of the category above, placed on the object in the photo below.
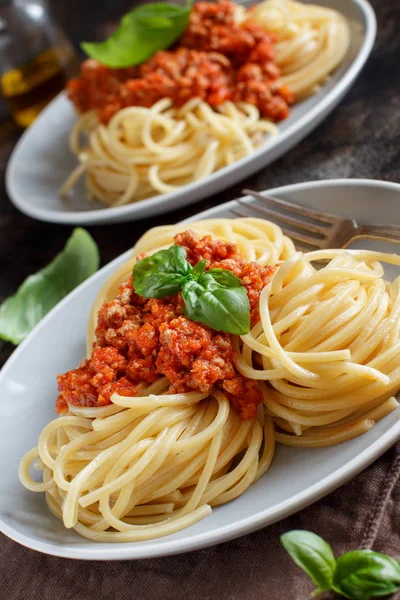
pixel 306 227
pixel 315 215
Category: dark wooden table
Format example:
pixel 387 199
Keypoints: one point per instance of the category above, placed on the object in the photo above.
pixel 360 139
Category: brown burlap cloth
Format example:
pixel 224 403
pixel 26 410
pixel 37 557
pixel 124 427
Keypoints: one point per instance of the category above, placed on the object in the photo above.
pixel 363 513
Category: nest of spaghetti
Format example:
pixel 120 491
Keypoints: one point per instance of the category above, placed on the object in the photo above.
pixel 213 99
pixel 320 365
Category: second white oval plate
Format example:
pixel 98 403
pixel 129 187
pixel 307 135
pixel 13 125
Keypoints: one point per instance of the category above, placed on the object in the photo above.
pixel 296 477
pixel 42 159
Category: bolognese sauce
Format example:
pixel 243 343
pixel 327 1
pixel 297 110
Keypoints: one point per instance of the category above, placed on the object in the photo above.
pixel 140 339
pixel 216 59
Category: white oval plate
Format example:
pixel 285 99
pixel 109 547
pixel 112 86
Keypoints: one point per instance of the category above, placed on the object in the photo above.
pixel 42 160
pixel 296 478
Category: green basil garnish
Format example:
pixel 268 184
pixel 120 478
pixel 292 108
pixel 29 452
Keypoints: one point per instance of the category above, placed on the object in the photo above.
pixel 162 273
pixel 364 574
pixel 199 269
pixel 313 555
pixel 215 298
pixel 357 575
pixel 224 307
pixel 141 33
pixel 39 293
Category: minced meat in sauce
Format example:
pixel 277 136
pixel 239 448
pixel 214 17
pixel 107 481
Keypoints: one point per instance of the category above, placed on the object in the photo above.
pixel 216 59
pixel 140 339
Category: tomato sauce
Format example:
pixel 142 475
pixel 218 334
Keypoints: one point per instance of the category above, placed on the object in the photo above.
pixel 138 340
pixel 216 59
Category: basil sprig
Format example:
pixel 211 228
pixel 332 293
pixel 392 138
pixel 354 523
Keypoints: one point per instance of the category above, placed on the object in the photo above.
pixel 219 302
pixel 141 33
pixel 215 298
pixel 366 574
pixel 40 292
pixel 162 273
pixel 357 575
pixel 313 555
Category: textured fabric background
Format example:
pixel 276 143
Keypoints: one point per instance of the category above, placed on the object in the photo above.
pixel 360 139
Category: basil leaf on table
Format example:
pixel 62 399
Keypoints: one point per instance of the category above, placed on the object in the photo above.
pixel 141 33
pixel 313 555
pixel 41 292
pixel 162 273
pixel 364 574
pixel 216 305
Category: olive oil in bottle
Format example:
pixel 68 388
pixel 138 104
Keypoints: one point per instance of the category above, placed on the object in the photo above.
pixel 29 88
pixel 36 60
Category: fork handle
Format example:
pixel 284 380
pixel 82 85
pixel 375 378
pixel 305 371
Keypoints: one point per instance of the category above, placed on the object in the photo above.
pixel 389 232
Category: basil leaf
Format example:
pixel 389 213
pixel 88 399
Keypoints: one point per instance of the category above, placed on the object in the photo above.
pixel 218 306
pixel 364 574
pixel 198 269
pixel 216 298
pixel 313 555
pixel 160 9
pixel 156 22
pixel 225 277
pixel 162 273
pixel 41 292
pixel 141 33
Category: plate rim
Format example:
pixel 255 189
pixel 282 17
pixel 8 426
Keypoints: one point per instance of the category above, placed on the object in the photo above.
pixel 129 551
pixel 137 209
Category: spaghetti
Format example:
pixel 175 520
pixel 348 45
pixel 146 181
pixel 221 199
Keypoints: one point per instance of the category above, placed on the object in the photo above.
pixel 211 101
pixel 143 151
pixel 147 466
pixel 311 43
pixel 327 344
pixel 325 354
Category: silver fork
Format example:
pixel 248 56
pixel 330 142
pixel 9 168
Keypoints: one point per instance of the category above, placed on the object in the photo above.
pixel 312 228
